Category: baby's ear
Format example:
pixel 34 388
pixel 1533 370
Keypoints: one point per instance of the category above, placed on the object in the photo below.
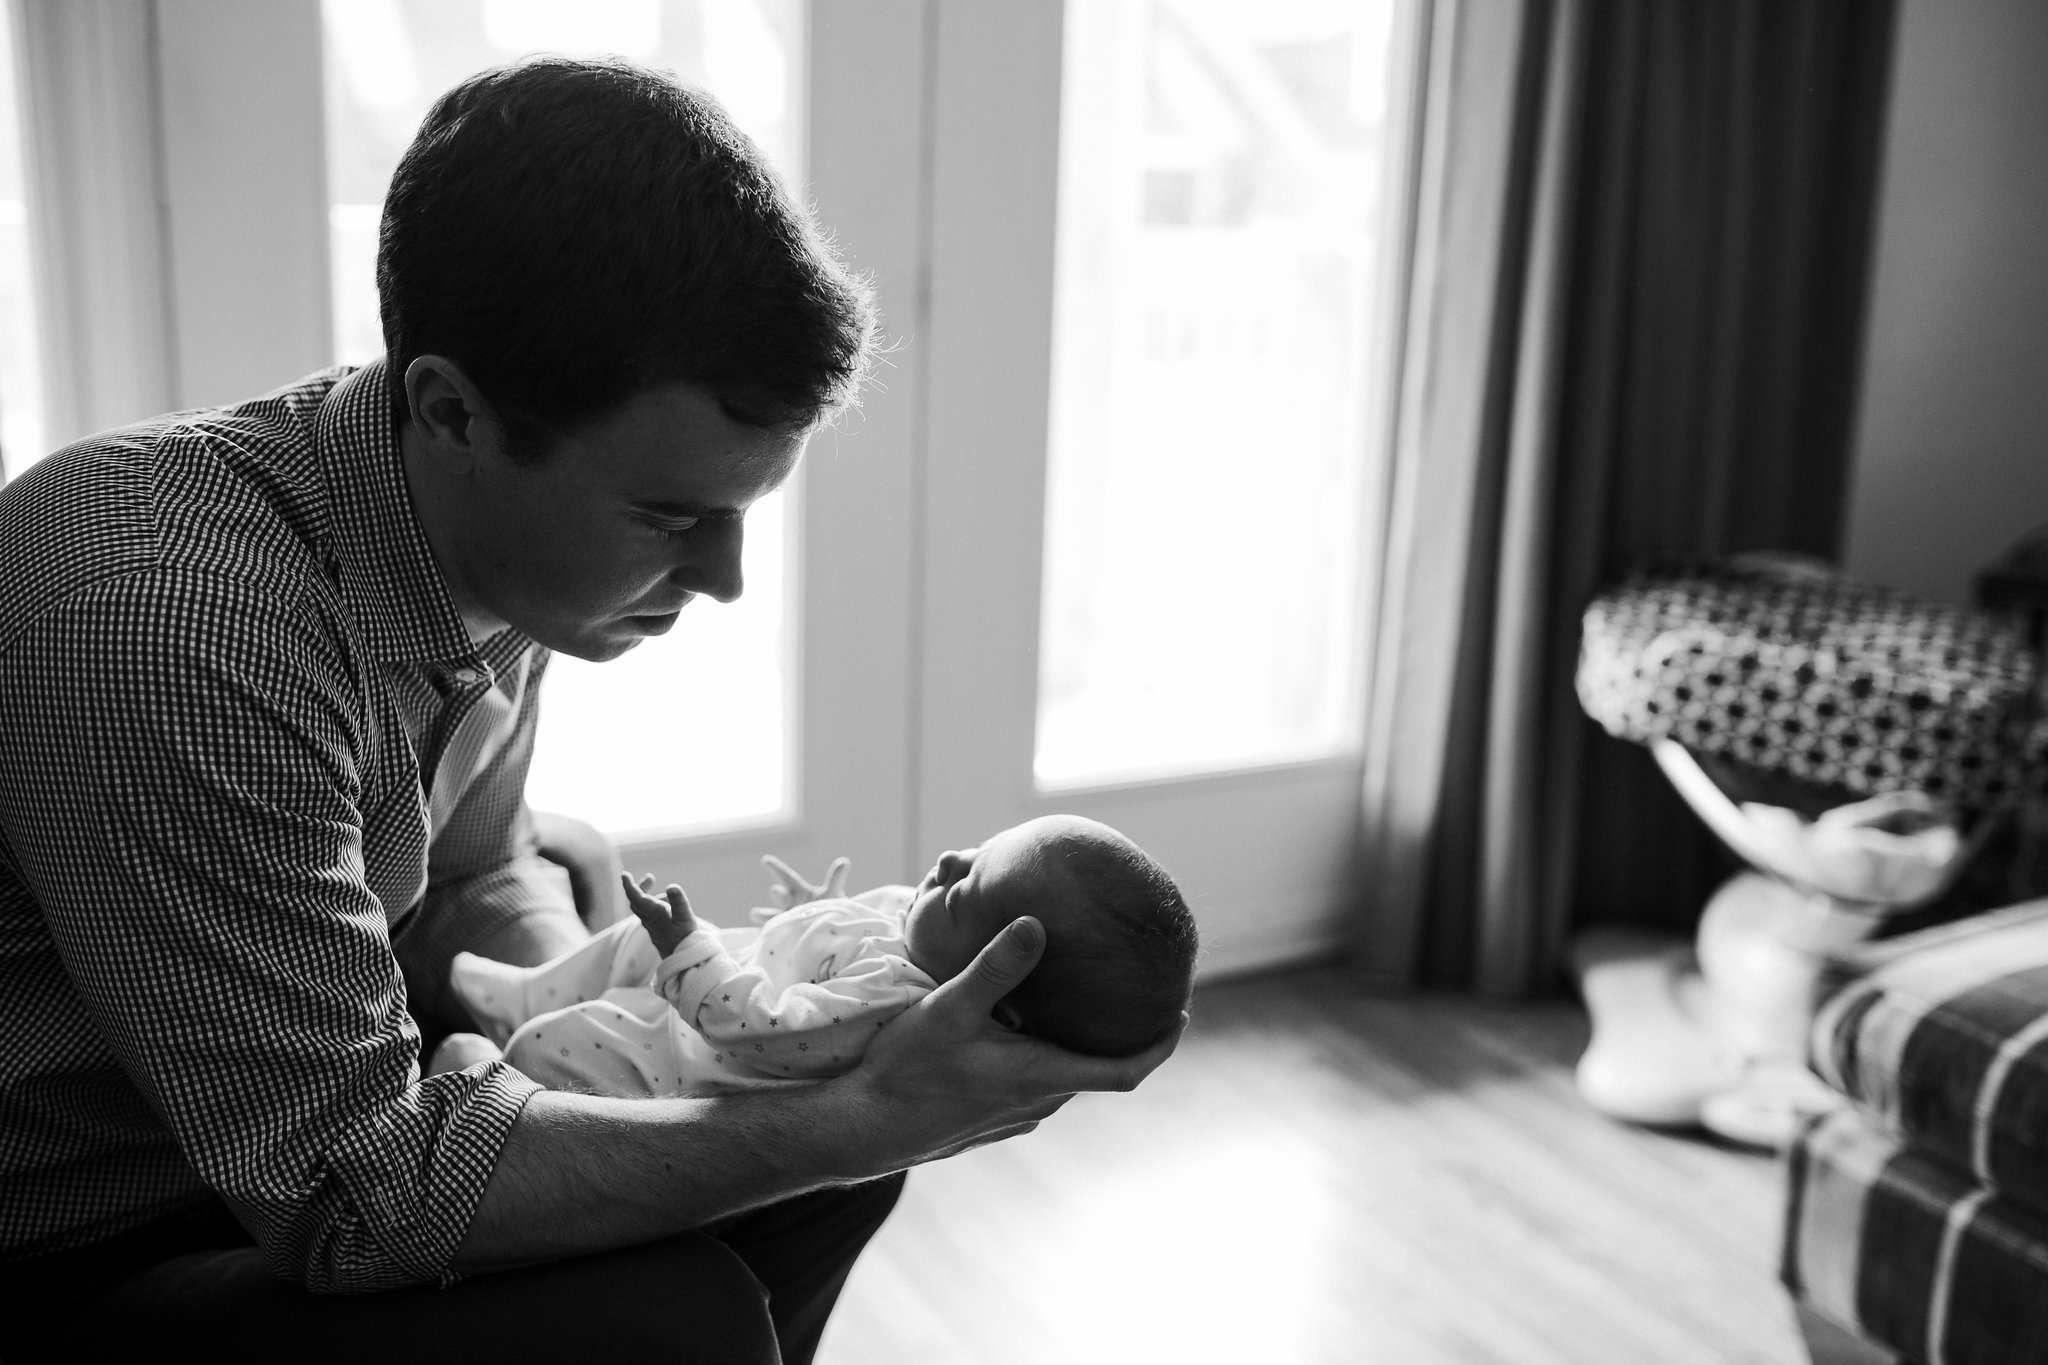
pixel 1006 1014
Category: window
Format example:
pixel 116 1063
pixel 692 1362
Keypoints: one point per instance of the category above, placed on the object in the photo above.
pixel 21 380
pixel 1164 283
pixel 651 744
pixel 1218 281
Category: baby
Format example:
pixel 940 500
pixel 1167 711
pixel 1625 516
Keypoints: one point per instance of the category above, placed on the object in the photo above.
pixel 672 1006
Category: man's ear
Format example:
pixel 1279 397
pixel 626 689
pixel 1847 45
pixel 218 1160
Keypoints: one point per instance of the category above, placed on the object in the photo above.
pixel 1006 1014
pixel 447 411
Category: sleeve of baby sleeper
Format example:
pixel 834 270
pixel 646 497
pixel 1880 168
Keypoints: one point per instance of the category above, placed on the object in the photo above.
pixel 806 1029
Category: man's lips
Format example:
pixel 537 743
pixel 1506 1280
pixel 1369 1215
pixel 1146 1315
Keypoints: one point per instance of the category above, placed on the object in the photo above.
pixel 663 616
pixel 655 622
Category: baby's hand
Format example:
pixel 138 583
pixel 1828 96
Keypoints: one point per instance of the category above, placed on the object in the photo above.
pixel 668 921
pixel 790 889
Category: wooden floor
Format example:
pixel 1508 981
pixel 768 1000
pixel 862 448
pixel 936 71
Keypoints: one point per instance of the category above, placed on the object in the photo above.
pixel 1325 1176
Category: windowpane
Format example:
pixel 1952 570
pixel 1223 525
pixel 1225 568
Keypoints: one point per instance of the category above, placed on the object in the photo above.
pixel 21 380
pixel 652 743
pixel 648 743
pixel 1221 254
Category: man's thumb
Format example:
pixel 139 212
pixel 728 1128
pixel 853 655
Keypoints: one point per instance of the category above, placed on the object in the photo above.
pixel 1008 958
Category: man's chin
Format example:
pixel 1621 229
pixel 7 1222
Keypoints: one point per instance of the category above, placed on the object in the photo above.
pixel 591 650
pixel 605 640
pixel 605 643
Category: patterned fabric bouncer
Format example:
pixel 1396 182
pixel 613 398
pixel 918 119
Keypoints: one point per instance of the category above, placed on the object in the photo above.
pixel 1919 1214
pixel 1835 682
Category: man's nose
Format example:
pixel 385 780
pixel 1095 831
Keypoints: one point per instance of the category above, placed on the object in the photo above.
pixel 713 566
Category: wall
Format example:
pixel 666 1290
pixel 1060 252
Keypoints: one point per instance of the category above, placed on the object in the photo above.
pixel 1951 464
pixel 178 186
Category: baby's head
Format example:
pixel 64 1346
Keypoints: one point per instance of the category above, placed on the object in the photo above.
pixel 1119 941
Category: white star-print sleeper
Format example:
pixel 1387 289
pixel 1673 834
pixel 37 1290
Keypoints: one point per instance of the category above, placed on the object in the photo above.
pixel 798 998
pixel 803 997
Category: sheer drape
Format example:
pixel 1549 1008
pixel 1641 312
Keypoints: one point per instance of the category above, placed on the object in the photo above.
pixel 1633 332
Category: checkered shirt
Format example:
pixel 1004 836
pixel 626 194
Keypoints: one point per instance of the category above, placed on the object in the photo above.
pixel 246 748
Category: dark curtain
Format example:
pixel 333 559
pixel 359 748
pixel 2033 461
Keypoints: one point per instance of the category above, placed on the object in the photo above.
pixel 1642 241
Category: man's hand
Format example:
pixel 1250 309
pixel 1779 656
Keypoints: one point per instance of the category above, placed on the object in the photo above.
pixel 669 921
pixel 581 849
pixel 790 889
pixel 945 1077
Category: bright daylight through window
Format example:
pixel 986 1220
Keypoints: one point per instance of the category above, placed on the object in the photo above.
pixel 652 743
pixel 1222 273
pixel 21 397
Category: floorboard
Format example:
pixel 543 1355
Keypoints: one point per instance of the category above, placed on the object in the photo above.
pixel 1326 1176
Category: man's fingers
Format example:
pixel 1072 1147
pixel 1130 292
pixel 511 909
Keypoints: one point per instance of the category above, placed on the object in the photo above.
pixel 1072 1072
pixel 1124 1073
pixel 1003 962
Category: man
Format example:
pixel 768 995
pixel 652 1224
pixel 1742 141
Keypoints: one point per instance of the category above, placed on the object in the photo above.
pixel 268 678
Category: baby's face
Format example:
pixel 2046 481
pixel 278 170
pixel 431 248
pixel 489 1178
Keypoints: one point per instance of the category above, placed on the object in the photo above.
pixel 970 894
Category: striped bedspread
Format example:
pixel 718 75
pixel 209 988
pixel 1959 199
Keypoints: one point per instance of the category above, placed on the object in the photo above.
pixel 1920 1215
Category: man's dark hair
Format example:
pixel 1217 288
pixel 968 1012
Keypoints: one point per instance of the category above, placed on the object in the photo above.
pixel 1119 956
pixel 572 233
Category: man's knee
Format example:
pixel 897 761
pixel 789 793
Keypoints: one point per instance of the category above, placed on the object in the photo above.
pixel 803 1248
pixel 873 1200
pixel 877 1199
pixel 686 1299
pixel 870 1202
pixel 829 1223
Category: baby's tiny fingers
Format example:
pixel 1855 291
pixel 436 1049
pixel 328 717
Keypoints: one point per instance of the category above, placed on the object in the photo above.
pixel 677 901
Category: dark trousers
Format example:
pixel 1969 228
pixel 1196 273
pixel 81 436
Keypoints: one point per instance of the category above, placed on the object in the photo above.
pixel 754 1288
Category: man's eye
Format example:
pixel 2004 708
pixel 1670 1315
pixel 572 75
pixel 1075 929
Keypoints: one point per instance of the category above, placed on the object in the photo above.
pixel 669 530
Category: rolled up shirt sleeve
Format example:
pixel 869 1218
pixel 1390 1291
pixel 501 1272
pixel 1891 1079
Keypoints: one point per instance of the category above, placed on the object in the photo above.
pixel 198 851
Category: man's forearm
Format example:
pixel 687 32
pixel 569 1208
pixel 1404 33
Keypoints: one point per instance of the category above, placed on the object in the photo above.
pixel 585 1173
pixel 582 1173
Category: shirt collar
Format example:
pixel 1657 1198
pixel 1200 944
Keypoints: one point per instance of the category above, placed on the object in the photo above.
pixel 389 581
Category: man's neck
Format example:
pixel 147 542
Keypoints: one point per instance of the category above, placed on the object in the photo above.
pixel 436 507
